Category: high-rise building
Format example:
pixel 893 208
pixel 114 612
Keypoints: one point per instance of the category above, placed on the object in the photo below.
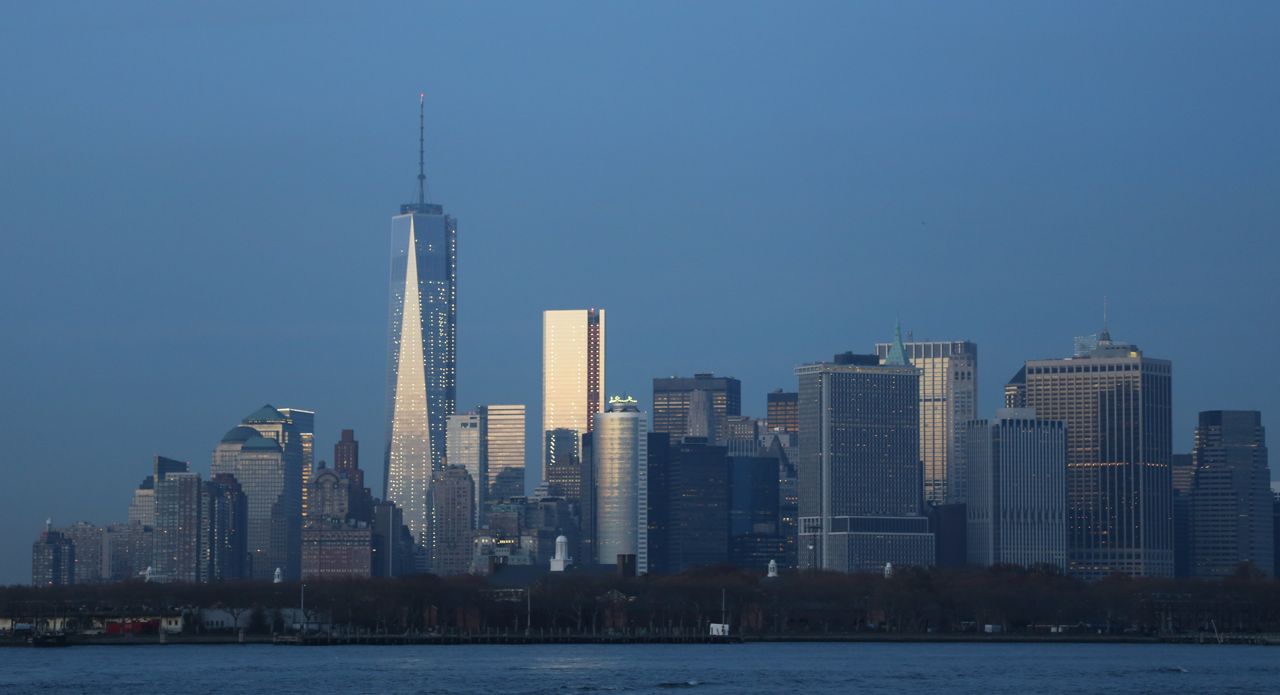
pixel 1231 501
pixel 177 551
pixel 393 545
pixel 859 466
pixel 1275 527
pixel 346 461
pixel 452 521
pixel 562 453
pixel 1182 470
pixel 275 425
pixel 688 504
pixel 335 545
pixel 948 399
pixel 695 406
pixel 224 525
pixel 88 540
pixel 302 423
pixel 755 536
pixel 261 471
pixel 421 349
pixel 462 447
pixel 126 551
pixel 572 371
pixel 619 450
pixel 1016 512
pixel 53 559
pixel 782 411
pixel 502 450
pixel 1117 405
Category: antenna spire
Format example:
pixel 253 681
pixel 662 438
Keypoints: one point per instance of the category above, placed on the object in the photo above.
pixel 422 168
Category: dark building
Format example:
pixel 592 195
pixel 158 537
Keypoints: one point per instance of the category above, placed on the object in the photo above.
pixel 88 540
pixel 1232 505
pixel 346 459
pixel 697 506
pixel 682 403
pixel 225 523
pixel 1275 526
pixel 860 479
pixel 788 500
pixel 393 546
pixel 452 527
pixel 947 522
pixel 783 411
pixel 658 460
pixel 1182 470
pixel 1117 405
pixel 53 559
pixel 564 464
pixel 755 531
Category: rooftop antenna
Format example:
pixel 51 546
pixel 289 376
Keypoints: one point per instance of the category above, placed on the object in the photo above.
pixel 1106 331
pixel 422 168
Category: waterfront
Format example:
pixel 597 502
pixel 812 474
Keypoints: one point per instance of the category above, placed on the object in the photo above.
pixel 734 668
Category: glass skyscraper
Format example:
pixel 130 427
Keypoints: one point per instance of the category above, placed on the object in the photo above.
pixel 572 371
pixel 621 483
pixel 421 351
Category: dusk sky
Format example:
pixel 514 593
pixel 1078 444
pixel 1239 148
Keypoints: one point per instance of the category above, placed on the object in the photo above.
pixel 195 205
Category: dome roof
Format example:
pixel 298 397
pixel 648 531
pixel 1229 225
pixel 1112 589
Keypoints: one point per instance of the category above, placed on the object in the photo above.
pixel 260 444
pixel 265 414
pixel 239 435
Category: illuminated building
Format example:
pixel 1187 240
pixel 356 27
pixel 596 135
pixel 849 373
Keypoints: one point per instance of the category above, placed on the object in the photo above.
pixel 573 352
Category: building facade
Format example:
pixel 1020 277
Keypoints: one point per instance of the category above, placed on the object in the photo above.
pixel 178 547
pixel 1016 512
pixel 502 431
pixel 1231 502
pixel 1117 406
pixel 273 424
pixel 452 521
pixel 782 410
pixel 573 351
pixel 619 449
pixel 53 559
pixel 695 406
pixel 421 351
pixel 860 479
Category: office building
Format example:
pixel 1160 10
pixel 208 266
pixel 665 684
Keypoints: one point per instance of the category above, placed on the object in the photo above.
pixel 346 459
pixel 88 540
pixel 948 399
pixel 695 406
pixel 177 551
pixel 782 411
pixel 126 551
pixel 260 469
pixel 452 521
pixel 619 450
pixel 302 424
pixel 462 448
pixel 394 549
pixel 755 532
pixel 421 349
pixel 562 453
pixel 860 479
pixel 224 525
pixel 53 559
pixel 274 425
pixel 1231 501
pixel 1117 406
pixel 573 352
pixel 502 450
pixel 1016 512
pixel 1182 471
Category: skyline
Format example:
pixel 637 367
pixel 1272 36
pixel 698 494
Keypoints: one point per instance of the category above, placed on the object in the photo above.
pixel 984 198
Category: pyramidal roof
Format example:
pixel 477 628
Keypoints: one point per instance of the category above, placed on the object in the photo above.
pixel 265 414
pixel 897 351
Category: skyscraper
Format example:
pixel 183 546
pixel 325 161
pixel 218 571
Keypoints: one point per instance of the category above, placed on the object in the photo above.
pixel 697 506
pixel 859 466
pixel 273 424
pixel 53 559
pixel 421 348
pixel 502 448
pixel 695 406
pixel 462 445
pixel 782 410
pixel 1016 467
pixel 88 540
pixel 1117 404
pixel 261 472
pixel 948 399
pixel 562 452
pixel 1231 502
pixel 224 524
pixel 573 354
pixel 303 425
pixel 452 521
pixel 619 450
pixel 177 550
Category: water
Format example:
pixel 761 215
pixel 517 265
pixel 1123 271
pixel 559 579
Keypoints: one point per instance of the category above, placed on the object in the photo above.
pixel 804 669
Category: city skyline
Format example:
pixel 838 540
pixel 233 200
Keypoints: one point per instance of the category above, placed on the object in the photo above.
pixel 322 243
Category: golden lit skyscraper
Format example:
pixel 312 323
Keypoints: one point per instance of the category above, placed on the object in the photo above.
pixel 421 350
pixel 572 371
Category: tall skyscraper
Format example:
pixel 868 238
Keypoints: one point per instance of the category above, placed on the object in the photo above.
pixel 53 559
pixel 302 423
pixel 177 550
pixel 859 466
pixel 224 524
pixel 948 399
pixel 452 521
pixel 275 425
pixel 782 410
pixel 697 506
pixel 1016 467
pixel 1183 470
pixel 421 348
pixel 572 371
pixel 1117 404
pixel 88 540
pixel 695 406
pixel 562 452
pixel 261 471
pixel 462 445
pixel 1231 502
pixel 502 448
pixel 619 450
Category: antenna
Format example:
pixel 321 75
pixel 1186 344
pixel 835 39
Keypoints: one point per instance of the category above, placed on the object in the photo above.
pixel 1105 311
pixel 422 169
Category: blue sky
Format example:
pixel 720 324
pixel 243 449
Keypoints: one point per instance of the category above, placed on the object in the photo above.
pixel 195 204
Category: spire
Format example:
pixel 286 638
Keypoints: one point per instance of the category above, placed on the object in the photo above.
pixel 897 351
pixel 422 168
pixel 1105 335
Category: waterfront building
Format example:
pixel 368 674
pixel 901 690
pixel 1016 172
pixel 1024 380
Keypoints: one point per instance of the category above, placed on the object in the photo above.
pixel 260 469
pixel 619 450
pixel 573 351
pixel 1016 512
pixel 782 410
pixel 126 550
pixel 88 540
pixel 177 549
pixel 858 465
pixel 224 525
pixel 421 349
pixel 334 544
pixel 1117 406
pixel 1231 497
pixel 53 559
pixel 275 425
pixel 948 399
pixel 450 499
pixel 695 406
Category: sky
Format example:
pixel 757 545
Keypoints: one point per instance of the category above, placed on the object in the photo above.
pixel 195 204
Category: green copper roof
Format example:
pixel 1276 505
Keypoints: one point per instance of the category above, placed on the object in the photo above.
pixel 239 434
pixel 261 444
pixel 897 351
pixel 265 414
